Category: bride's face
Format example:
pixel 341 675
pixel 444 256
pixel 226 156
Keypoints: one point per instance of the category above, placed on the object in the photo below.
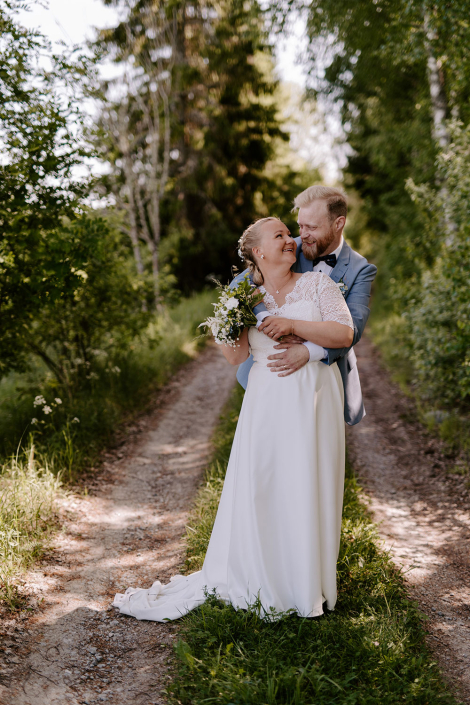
pixel 276 245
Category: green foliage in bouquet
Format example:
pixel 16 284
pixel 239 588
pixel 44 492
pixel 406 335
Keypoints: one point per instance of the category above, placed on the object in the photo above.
pixel 233 312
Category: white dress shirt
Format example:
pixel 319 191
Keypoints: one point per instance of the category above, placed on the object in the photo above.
pixel 316 352
pixel 323 266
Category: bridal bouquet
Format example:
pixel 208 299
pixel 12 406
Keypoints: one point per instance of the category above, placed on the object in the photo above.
pixel 233 312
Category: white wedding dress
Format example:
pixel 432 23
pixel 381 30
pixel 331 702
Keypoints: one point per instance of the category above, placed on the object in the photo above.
pixel 277 532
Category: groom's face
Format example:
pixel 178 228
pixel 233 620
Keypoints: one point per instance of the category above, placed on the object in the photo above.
pixel 316 230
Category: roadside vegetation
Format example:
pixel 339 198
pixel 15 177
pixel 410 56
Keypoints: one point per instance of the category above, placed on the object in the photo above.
pixel 399 76
pixel 370 650
pixel 28 496
pixel 71 429
pixel 69 434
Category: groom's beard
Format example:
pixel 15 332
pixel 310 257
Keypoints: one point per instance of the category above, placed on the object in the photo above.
pixel 316 249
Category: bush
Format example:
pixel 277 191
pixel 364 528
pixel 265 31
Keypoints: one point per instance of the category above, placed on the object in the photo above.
pixel 86 302
pixel 120 381
pixel 439 315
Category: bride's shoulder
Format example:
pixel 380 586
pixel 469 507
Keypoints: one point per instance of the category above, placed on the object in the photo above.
pixel 313 278
pixel 308 284
pixel 314 284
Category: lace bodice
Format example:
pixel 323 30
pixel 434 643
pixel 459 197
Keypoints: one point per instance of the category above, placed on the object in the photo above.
pixel 315 297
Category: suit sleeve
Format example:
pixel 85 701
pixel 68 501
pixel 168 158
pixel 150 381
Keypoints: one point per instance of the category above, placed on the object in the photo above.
pixel 260 308
pixel 358 303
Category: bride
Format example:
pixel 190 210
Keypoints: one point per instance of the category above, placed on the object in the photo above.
pixel 276 536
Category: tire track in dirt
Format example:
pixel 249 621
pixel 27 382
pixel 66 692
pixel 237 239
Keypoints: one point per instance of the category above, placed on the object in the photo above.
pixel 422 510
pixel 76 648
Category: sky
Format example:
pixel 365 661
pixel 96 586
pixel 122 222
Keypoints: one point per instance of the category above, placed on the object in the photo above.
pixel 73 21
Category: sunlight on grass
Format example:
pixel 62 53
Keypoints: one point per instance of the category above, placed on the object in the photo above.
pixel 28 493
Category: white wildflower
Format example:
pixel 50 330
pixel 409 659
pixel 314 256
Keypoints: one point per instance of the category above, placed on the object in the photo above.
pixel 231 303
pixel 46 409
pixel 116 370
pixel 58 401
pixel 39 400
pixel 34 421
pixel 75 420
pixel 81 273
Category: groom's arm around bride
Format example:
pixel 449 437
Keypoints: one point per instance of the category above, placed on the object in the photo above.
pixel 321 248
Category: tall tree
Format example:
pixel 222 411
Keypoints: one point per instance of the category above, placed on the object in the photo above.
pixel 136 125
pixel 40 150
pixel 224 132
pixel 399 73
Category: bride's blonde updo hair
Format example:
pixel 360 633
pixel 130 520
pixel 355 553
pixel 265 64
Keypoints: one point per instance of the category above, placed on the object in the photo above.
pixel 251 238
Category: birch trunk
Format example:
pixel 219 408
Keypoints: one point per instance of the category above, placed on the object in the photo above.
pixel 140 127
pixel 132 215
pixel 439 113
pixel 436 89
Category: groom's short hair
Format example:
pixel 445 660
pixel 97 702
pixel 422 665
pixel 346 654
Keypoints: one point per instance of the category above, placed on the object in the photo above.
pixel 336 200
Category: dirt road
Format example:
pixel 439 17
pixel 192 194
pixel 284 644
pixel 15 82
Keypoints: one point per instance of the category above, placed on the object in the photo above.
pixel 75 649
pixel 128 532
pixel 423 510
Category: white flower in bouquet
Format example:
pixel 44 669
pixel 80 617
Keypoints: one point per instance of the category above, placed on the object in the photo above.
pixel 214 326
pixel 231 303
pixel 233 312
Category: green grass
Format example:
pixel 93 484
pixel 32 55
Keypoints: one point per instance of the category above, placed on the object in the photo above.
pixel 63 447
pixel 28 495
pixel 369 650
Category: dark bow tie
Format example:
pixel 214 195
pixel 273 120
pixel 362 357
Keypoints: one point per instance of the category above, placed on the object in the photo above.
pixel 330 260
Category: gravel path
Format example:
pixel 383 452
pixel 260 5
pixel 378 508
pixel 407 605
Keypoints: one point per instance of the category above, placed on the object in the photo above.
pixel 75 648
pixel 423 510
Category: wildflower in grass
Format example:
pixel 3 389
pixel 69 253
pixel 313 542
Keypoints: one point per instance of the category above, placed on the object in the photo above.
pixel 39 400
pixel 46 409
pixel 75 420
pixel 116 370
pixel 58 401
pixel 34 421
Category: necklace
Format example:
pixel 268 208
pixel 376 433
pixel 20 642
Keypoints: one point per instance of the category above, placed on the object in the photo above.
pixel 278 291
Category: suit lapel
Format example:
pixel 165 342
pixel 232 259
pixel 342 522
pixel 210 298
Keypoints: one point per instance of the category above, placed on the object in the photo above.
pixel 339 269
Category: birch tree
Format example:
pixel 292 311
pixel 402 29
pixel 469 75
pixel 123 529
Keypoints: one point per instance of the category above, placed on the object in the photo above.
pixel 136 118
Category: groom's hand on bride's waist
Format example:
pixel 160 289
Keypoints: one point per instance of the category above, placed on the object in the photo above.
pixel 291 358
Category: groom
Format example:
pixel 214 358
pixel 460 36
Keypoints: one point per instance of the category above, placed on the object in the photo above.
pixel 321 248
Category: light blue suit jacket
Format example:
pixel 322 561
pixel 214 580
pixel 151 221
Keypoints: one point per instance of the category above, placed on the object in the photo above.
pixel 357 274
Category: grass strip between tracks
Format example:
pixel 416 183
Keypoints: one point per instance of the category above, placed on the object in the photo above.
pixel 369 650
